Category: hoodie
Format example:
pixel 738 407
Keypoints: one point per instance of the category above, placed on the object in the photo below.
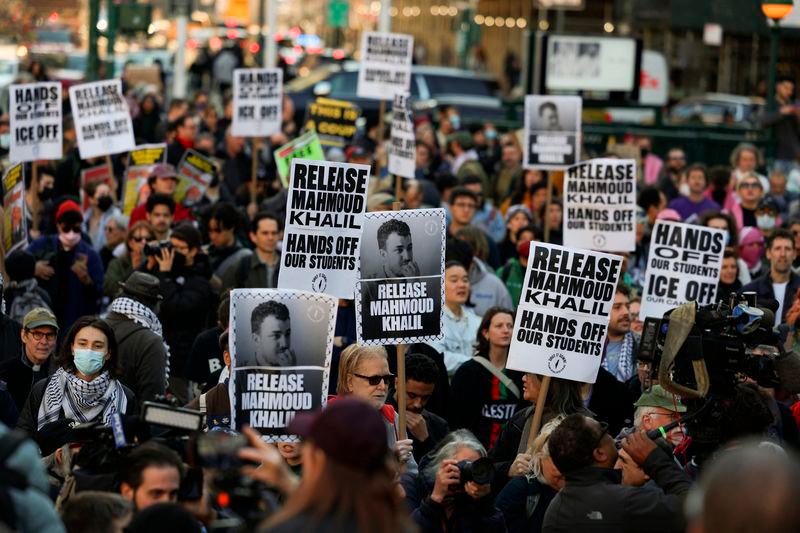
pixel 486 289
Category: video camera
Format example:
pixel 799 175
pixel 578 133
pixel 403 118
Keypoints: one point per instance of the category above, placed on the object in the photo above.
pixel 701 353
pixel 154 248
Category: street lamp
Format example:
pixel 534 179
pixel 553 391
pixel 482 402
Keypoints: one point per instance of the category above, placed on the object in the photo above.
pixel 775 10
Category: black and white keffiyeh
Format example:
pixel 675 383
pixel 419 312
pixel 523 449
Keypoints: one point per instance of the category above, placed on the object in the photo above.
pixel 84 401
pixel 142 315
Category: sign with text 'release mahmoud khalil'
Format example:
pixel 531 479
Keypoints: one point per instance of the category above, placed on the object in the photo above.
pixel 102 119
pixel 562 319
pixel 552 131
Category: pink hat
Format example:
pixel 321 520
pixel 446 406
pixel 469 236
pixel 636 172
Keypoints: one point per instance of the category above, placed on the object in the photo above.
pixel 749 235
pixel 669 214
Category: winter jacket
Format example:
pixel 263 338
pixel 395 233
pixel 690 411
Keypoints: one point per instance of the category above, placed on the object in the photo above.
pixel 593 499
pixel 468 516
pixel 762 286
pixel 142 356
pixel 188 302
pixel 71 298
pixel 516 498
pixel 250 273
pixel 118 270
pixel 512 274
pixel 20 376
pixel 486 289
pixel 222 259
pixel 480 403
pixel 10 342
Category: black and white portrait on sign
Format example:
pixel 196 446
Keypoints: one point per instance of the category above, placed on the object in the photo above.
pixel 276 374
pixel 398 248
pixel 590 63
pixel 552 131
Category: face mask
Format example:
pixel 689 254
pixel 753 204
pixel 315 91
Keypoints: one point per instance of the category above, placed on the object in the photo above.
pixel 644 152
pixel 47 193
pixel 104 203
pixel 491 134
pixel 765 222
pixel 88 362
pixel 684 189
pixel 751 255
pixel 69 240
pixel 455 121
pixel 5 140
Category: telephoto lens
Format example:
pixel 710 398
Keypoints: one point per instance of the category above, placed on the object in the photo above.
pixel 480 471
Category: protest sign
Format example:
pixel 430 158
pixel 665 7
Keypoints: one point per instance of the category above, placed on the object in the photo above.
pixel 683 266
pixel 333 120
pixel 35 120
pixel 600 205
pixel 401 287
pixel 257 102
pixel 324 216
pixel 96 174
pixel 102 119
pixel 195 173
pixel 276 374
pixel 141 161
pixel 562 318
pixel 385 66
pixel 552 131
pixel 403 145
pixel 307 146
pixel 15 232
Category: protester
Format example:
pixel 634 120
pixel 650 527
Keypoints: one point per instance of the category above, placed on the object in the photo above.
pixel 116 231
pixel 96 512
pixel 486 289
pixel 152 475
pixel 459 324
pixel 780 283
pixel 224 251
pixel 517 217
pixel 484 394
pixel 85 385
pixel 143 355
pixel 131 259
pixel 215 403
pixel 100 212
pixel 696 201
pixel 512 274
pixel 621 349
pixel 163 180
pixel 728 277
pixel 443 499
pixel 22 293
pixel 260 269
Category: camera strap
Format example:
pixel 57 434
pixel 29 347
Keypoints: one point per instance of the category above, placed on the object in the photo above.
pixel 496 372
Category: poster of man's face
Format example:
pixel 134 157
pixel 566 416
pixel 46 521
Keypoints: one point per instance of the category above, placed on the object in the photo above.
pixel 552 114
pixel 396 249
pixel 397 246
pixel 271 328
pixel 552 131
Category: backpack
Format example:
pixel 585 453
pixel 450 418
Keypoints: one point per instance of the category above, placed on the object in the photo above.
pixel 24 297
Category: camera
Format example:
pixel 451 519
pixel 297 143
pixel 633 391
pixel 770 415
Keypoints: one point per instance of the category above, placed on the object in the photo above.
pixel 701 353
pixel 481 471
pixel 155 248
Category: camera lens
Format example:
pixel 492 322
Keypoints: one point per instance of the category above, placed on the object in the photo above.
pixel 483 471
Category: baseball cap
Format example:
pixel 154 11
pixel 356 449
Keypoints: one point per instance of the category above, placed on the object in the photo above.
pixel 658 397
pixel 39 316
pixel 163 170
pixel 463 138
pixel 349 431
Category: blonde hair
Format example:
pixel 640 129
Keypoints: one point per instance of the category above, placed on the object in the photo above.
pixel 351 358
pixel 540 451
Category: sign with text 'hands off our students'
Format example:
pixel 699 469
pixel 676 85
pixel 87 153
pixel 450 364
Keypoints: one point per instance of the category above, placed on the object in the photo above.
pixel 683 266
pixel 562 318
pixel 257 101
pixel 35 119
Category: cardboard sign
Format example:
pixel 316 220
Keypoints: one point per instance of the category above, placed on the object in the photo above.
pixel 403 144
pixel 552 131
pixel 15 231
pixel 141 161
pixel 324 216
pixel 102 118
pixel 307 146
pixel 683 266
pixel 600 205
pixel 257 101
pixel 562 319
pixel 281 344
pixel 385 67
pixel 35 119
pixel 195 173
pixel 401 290
pixel 333 120
pixel 96 174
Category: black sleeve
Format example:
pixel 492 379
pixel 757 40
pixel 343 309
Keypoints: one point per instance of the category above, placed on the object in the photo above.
pixel 646 506
pixel 151 372
pixel 464 406
pixel 30 411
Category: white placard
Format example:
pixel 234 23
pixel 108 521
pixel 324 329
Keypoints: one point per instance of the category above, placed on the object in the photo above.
pixel 385 67
pixel 102 118
pixel 552 131
pixel 257 101
pixel 35 120
pixel 600 205
pixel 683 266
pixel 562 319
pixel 324 220
pixel 403 147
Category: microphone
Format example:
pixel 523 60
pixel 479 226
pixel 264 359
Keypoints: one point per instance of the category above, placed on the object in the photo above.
pixel 662 431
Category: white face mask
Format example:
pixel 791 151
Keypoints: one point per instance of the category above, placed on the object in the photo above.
pixel 5 140
pixel 684 189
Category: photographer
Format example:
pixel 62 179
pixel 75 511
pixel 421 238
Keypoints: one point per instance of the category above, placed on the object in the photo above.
pixel 452 491
pixel 593 497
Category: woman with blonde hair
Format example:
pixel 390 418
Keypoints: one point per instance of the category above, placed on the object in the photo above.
pixel 524 500
pixel 364 373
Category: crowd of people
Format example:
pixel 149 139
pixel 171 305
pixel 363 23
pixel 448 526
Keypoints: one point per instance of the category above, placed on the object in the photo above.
pixel 104 310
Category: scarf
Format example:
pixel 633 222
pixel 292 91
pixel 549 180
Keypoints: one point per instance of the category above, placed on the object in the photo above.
pixel 84 401
pixel 142 315
pixel 625 368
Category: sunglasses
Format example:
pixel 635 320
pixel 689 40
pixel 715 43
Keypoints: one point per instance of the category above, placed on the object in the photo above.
pixel 749 185
pixel 141 238
pixel 374 381
pixel 72 229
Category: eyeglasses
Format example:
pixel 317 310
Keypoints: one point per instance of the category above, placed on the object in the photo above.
pixel 604 428
pixel 750 185
pixel 374 381
pixel 141 238
pixel 39 335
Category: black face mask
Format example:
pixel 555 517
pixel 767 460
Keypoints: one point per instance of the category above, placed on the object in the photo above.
pixel 178 262
pixel 104 203
pixel 47 193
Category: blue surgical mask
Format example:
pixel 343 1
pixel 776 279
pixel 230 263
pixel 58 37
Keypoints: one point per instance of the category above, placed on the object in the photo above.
pixel 455 121
pixel 765 222
pixel 88 362
pixel 491 134
pixel 5 140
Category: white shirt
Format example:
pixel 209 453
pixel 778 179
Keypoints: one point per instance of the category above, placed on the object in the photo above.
pixel 780 292
pixel 460 333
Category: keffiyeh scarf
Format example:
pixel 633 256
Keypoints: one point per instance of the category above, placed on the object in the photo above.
pixel 625 368
pixel 84 401
pixel 142 315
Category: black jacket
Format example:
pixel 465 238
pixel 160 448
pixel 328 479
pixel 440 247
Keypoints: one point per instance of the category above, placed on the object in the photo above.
pixel 594 500
pixel 762 286
pixel 188 303
pixel 20 377
pixel 142 356
pixel 28 416
pixel 10 342
pixel 612 402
